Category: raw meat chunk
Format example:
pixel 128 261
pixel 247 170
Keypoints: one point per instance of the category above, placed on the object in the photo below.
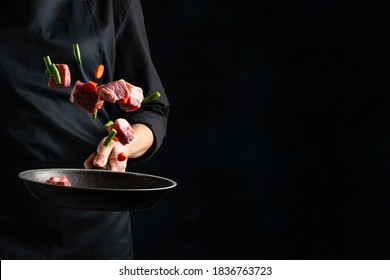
pixel 60 180
pixel 129 96
pixel 85 97
pixel 63 69
pixel 125 133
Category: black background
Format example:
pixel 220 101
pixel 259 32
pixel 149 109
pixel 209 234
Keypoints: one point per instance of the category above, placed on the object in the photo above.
pixel 279 132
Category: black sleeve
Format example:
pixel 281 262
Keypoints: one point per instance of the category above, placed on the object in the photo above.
pixel 133 63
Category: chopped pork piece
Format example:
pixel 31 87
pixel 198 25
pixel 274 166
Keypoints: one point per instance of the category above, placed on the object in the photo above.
pixel 133 102
pixel 60 180
pixel 125 133
pixel 63 69
pixel 113 91
pixel 85 96
pixel 129 96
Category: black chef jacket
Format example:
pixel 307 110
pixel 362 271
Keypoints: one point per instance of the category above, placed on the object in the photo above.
pixel 40 128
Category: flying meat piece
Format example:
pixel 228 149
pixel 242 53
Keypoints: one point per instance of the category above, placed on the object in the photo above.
pixel 133 102
pixel 85 96
pixel 60 180
pixel 125 133
pixel 129 97
pixel 63 69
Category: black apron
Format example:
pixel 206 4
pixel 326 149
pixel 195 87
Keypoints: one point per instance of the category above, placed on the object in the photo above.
pixel 40 128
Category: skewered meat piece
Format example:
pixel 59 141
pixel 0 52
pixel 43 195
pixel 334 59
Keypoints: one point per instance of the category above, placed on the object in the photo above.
pixel 85 96
pixel 64 72
pixel 125 133
pixel 129 97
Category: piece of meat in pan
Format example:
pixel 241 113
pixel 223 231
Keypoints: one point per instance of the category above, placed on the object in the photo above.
pixel 60 180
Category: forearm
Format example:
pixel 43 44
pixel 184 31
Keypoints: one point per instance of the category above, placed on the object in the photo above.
pixel 142 141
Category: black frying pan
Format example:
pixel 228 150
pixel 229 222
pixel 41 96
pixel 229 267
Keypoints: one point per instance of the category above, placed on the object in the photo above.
pixel 98 189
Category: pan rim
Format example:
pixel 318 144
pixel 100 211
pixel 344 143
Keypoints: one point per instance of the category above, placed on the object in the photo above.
pixel 22 175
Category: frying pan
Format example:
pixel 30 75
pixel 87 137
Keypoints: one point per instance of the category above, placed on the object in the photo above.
pixel 100 190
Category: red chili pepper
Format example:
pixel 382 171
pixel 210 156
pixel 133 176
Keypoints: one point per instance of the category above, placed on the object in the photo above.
pixel 122 156
pixel 90 86
pixel 99 71
pixel 123 100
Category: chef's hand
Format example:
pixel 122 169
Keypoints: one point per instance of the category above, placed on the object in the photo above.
pixel 143 140
pixel 106 157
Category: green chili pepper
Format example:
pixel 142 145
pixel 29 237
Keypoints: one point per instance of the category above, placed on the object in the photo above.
pixel 51 69
pixel 109 137
pixel 94 115
pixel 54 71
pixel 47 62
pixel 76 52
pixel 108 124
pixel 151 97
